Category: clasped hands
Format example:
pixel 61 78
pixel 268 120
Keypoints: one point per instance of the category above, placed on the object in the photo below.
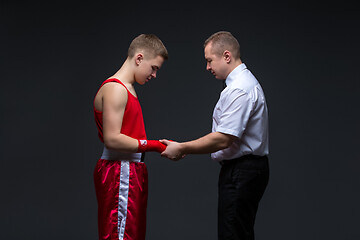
pixel 173 150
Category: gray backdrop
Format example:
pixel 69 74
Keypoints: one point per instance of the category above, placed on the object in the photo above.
pixel 55 55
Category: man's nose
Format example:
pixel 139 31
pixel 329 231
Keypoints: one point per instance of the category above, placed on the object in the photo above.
pixel 153 74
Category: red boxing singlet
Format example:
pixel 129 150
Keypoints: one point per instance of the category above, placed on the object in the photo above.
pixel 132 116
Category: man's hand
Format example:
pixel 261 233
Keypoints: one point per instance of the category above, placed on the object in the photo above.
pixel 173 150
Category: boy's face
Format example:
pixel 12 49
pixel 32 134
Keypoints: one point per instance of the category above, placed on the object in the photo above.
pixel 147 69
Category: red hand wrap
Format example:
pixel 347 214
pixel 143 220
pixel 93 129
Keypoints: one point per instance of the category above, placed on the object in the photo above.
pixel 151 146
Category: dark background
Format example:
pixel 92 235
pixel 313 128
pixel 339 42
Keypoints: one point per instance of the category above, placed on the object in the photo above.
pixel 55 55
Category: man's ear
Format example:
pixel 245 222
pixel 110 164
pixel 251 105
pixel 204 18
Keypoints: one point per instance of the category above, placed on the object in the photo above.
pixel 227 56
pixel 138 58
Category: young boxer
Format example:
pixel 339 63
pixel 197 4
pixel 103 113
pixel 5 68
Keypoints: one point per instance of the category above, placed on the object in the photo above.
pixel 120 175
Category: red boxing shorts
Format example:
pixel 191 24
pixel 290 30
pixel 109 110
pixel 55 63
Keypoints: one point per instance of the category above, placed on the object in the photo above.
pixel 121 184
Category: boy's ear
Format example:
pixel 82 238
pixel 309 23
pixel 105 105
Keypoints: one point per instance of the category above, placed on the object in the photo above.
pixel 138 58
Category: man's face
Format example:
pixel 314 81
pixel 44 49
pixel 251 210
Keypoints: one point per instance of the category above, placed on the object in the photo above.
pixel 148 69
pixel 215 64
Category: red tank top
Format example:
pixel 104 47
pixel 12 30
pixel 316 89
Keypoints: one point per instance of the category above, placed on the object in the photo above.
pixel 133 122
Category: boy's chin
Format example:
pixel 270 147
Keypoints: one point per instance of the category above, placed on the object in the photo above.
pixel 141 82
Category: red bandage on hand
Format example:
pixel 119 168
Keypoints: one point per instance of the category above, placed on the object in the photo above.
pixel 151 146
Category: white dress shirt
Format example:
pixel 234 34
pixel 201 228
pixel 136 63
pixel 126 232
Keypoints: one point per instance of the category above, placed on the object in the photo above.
pixel 242 112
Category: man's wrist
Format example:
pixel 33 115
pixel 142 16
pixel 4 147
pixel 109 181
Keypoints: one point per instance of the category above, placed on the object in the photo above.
pixel 183 148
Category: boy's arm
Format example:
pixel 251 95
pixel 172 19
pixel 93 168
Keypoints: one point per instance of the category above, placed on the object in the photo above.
pixel 114 102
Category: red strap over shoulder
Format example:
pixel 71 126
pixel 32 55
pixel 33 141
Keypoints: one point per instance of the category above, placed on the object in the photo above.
pixel 113 80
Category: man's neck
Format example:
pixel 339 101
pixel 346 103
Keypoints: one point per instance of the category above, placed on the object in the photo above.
pixel 234 65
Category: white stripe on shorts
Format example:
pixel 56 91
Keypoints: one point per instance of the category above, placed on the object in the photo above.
pixel 123 197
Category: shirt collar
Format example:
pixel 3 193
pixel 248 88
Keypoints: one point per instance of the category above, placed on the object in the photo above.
pixel 234 73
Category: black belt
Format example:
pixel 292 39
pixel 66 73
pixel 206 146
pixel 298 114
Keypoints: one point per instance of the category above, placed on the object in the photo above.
pixel 242 158
pixel 143 157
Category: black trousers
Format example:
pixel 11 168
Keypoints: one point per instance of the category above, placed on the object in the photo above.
pixel 242 183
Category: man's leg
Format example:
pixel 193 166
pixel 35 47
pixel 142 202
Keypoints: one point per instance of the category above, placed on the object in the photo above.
pixel 241 186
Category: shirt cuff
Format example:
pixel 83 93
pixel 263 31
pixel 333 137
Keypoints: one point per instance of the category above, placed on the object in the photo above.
pixel 228 131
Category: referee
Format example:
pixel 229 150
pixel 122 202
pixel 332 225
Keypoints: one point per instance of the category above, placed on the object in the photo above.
pixel 238 141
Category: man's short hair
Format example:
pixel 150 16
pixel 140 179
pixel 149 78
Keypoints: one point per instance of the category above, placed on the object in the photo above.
pixel 222 41
pixel 150 44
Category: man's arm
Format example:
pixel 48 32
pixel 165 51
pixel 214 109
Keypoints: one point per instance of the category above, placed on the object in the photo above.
pixel 209 143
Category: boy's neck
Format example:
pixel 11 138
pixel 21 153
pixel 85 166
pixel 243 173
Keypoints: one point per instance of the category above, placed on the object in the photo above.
pixel 125 74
